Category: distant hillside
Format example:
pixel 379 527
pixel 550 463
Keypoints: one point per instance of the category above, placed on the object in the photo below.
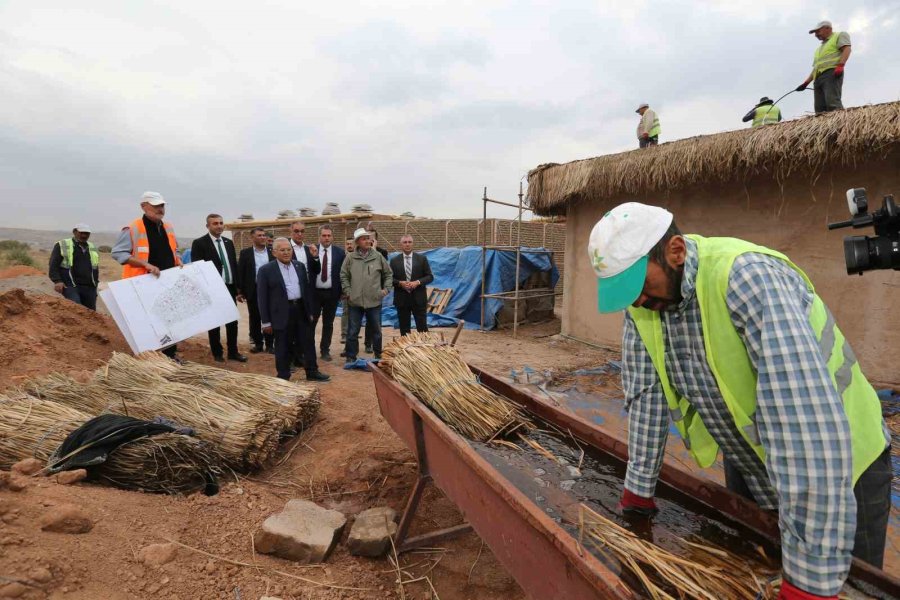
pixel 43 240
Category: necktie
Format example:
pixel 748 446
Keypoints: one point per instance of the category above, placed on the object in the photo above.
pixel 324 265
pixel 226 273
pixel 407 261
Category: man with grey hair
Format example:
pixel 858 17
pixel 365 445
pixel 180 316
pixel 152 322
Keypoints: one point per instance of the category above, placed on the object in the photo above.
pixel 827 73
pixel 411 273
pixel 148 245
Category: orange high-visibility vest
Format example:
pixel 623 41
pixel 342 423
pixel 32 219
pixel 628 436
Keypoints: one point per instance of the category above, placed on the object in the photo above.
pixel 140 247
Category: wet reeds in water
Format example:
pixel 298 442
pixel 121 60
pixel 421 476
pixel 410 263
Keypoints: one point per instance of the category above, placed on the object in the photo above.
pixel 701 573
pixel 436 374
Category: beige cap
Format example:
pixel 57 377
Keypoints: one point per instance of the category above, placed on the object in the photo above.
pixel 643 105
pixel 153 198
pixel 820 25
pixel 361 232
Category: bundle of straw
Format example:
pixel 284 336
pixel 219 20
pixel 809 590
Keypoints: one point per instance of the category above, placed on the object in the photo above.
pixel 435 373
pixel 90 398
pixel 167 463
pixel 162 364
pixel 703 573
pixel 31 427
pixel 295 404
pixel 245 437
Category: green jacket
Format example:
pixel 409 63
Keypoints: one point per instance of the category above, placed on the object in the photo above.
pixel 363 278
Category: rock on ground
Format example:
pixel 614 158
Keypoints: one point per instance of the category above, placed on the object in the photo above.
pixel 28 466
pixel 372 531
pixel 70 477
pixel 303 531
pixel 66 518
pixel 156 555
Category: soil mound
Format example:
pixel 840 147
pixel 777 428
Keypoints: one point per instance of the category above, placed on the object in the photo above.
pixel 18 271
pixel 43 333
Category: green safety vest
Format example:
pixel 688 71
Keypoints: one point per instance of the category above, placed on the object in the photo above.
pixel 728 360
pixel 768 113
pixel 654 130
pixel 67 251
pixel 827 55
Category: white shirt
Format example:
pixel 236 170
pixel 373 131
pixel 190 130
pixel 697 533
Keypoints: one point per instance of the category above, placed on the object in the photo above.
pixel 291 281
pixel 407 265
pixel 300 253
pixel 217 245
pixel 260 257
pixel 323 252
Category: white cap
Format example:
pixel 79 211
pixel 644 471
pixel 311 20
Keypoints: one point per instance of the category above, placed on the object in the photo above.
pixel 618 249
pixel 83 228
pixel 361 232
pixel 153 198
pixel 642 105
pixel 820 25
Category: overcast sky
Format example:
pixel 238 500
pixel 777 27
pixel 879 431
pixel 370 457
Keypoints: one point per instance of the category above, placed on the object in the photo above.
pixel 256 107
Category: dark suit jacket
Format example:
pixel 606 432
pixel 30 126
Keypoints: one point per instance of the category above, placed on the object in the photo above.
pixel 271 294
pixel 203 249
pixel 315 267
pixel 334 269
pixel 421 271
pixel 247 271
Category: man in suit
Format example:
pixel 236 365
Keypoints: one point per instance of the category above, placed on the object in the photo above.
pixel 411 274
pixel 220 251
pixel 286 307
pixel 249 263
pixel 328 287
pixel 308 256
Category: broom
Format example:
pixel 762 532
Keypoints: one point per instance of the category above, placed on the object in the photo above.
pixel 436 374
pixel 245 437
pixel 31 427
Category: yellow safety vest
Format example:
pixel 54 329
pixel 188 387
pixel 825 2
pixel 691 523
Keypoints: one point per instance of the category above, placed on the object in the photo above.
pixel 768 113
pixel 827 55
pixel 654 130
pixel 67 251
pixel 728 360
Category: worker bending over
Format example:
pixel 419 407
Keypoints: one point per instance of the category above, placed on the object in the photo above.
pixel 764 113
pixel 731 341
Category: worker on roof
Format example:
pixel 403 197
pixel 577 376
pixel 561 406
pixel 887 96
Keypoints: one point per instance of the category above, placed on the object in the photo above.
pixel 828 67
pixel 731 342
pixel 648 127
pixel 763 113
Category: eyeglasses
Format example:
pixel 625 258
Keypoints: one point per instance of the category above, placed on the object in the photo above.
pixel 298 230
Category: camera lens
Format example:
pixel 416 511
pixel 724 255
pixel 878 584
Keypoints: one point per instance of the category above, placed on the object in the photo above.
pixel 856 253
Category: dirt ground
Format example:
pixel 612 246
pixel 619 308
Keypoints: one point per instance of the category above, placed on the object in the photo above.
pixel 349 460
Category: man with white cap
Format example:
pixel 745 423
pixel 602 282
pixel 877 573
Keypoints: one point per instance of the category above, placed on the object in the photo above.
pixel 365 281
pixel 75 267
pixel 148 245
pixel 730 341
pixel 828 67
pixel 648 127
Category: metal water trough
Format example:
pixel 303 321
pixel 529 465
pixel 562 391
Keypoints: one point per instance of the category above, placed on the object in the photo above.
pixel 541 556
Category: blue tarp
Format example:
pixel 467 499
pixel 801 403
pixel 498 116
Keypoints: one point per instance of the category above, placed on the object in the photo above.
pixel 460 269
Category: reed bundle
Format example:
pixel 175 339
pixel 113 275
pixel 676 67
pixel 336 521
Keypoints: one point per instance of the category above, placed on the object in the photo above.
pixel 436 374
pixel 90 397
pixel 31 427
pixel 295 404
pixel 701 573
pixel 167 463
pixel 162 364
pixel 245 437
pixel 799 146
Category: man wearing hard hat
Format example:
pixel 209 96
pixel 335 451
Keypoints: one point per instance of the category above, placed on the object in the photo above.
pixel 731 341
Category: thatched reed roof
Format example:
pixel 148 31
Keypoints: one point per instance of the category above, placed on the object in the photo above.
pixel 801 146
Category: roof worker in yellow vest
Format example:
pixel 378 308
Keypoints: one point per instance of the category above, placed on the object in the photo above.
pixel 763 113
pixel 148 245
pixel 828 67
pixel 648 127
pixel 731 342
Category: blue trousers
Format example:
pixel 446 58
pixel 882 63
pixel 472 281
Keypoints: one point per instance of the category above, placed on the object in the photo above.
pixel 373 321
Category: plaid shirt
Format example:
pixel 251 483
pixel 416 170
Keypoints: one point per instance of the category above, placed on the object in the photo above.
pixel 808 470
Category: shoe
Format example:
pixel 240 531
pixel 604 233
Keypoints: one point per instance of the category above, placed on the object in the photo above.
pixel 326 356
pixel 237 357
pixel 256 349
pixel 368 349
pixel 271 349
pixel 219 358
pixel 343 353
pixel 317 376
pixel 378 356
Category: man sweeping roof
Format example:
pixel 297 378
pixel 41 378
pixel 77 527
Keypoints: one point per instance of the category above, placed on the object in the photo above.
pixel 731 341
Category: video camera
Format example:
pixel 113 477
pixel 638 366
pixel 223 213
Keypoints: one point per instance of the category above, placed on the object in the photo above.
pixel 864 253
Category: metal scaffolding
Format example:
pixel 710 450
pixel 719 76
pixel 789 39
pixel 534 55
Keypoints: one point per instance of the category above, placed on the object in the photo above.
pixel 516 295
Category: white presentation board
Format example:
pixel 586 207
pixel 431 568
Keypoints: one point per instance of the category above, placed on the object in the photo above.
pixel 155 312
